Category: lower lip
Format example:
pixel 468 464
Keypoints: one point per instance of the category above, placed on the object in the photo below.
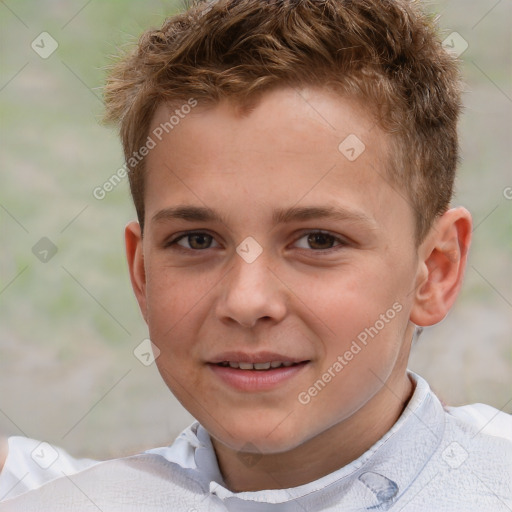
pixel 256 380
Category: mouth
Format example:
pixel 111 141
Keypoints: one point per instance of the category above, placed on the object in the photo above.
pixel 256 376
pixel 269 365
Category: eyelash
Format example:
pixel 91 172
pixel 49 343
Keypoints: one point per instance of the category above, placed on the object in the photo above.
pixel 173 242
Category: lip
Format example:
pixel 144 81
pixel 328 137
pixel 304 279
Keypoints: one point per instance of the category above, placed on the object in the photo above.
pixel 257 357
pixel 257 380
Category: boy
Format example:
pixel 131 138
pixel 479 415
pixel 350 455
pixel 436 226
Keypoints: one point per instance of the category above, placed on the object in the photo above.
pixel 291 164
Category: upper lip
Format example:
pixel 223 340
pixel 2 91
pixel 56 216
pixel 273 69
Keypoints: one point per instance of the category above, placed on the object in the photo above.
pixel 257 357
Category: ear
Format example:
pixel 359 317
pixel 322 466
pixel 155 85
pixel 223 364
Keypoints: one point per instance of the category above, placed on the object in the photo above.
pixel 135 257
pixel 441 265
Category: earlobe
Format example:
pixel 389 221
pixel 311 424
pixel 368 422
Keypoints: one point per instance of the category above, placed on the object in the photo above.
pixel 135 257
pixel 443 257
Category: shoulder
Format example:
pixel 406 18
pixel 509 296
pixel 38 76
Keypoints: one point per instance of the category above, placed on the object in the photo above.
pixel 478 443
pixel 139 482
pixel 484 420
pixel 28 464
pixel 471 468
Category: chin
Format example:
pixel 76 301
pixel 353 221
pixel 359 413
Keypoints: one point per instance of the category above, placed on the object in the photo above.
pixel 258 436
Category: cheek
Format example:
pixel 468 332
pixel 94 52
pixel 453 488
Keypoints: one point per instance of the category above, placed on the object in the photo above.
pixel 169 303
pixel 171 295
pixel 356 364
pixel 178 308
pixel 366 314
pixel 354 298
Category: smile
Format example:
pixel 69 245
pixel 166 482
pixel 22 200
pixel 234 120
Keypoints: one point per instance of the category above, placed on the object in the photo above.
pixel 257 366
pixel 256 377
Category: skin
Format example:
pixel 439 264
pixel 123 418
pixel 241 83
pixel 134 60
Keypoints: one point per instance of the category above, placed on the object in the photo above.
pixel 3 452
pixel 304 297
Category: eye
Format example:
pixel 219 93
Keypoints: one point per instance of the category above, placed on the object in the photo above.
pixel 197 241
pixel 320 241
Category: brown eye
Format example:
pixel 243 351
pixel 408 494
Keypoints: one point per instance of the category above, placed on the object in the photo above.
pixel 196 241
pixel 200 241
pixel 320 241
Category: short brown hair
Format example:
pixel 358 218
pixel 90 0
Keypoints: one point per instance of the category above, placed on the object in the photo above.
pixel 386 52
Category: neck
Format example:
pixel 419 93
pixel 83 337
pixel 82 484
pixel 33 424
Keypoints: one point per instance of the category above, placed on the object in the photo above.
pixel 316 457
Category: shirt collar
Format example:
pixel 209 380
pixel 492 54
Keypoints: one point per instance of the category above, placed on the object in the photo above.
pixel 376 479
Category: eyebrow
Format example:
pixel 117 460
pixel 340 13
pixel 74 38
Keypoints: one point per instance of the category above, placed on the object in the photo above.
pixel 279 215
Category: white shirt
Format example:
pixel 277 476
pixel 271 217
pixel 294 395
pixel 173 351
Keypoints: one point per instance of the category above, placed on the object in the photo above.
pixel 432 459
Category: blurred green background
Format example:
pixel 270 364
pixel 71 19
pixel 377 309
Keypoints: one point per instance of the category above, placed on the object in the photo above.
pixel 69 326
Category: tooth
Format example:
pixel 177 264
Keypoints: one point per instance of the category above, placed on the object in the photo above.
pixel 275 364
pixel 261 366
pixel 246 366
pixel 233 365
pixel 288 363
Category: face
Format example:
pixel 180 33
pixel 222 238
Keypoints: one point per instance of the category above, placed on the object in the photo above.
pixel 272 238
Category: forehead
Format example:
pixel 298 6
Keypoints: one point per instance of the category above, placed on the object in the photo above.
pixel 295 120
pixel 293 146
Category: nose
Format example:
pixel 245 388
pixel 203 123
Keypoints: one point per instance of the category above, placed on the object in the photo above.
pixel 251 292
